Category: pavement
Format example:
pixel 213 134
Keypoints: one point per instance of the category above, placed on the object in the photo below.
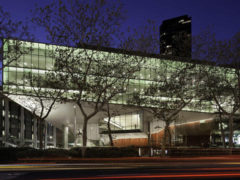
pixel 231 158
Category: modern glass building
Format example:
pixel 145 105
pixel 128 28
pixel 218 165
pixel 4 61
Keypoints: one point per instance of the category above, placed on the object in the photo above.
pixel 131 125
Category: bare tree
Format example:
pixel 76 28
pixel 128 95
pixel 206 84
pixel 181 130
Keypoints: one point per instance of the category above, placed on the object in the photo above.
pixel 110 114
pixel 11 49
pixel 221 121
pixel 170 92
pixel 144 39
pixel 204 45
pixel 100 82
pixel 222 75
pixel 109 125
pixel 45 90
pixel 223 90
pixel 92 72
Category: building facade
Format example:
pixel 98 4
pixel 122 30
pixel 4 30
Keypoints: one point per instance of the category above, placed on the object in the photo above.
pixel 130 125
pixel 175 37
pixel 20 129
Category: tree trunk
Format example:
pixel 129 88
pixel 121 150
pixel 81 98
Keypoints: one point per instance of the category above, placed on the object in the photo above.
pixel 84 137
pixel 109 126
pixel 230 133
pixel 40 133
pixel 223 136
pixel 221 128
pixel 169 137
pixel 109 131
pixel 222 131
pixel 164 140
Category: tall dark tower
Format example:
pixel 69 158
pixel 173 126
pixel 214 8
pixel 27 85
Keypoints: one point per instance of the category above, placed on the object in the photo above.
pixel 175 37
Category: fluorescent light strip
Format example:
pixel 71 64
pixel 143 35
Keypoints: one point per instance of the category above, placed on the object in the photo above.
pixel 192 122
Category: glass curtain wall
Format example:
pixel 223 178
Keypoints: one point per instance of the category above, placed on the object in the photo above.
pixel 38 59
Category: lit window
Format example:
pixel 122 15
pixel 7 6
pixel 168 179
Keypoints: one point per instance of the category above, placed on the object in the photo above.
pixel 180 21
pixel 130 121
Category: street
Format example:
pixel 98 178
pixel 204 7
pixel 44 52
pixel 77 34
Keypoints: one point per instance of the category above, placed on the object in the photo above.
pixel 125 170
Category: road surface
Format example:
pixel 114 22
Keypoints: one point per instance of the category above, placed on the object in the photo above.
pixel 125 170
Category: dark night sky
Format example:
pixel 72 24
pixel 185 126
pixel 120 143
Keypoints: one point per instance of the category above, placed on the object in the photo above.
pixel 222 15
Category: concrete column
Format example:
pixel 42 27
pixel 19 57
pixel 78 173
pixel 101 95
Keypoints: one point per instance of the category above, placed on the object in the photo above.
pixel 54 137
pixel 151 152
pixel 46 135
pixel 22 128
pixel 139 152
pixel 7 123
pixel 65 137
pixel 35 133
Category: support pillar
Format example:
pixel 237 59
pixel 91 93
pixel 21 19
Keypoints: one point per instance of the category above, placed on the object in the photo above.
pixel 22 128
pixel 7 123
pixel 65 137
pixel 54 137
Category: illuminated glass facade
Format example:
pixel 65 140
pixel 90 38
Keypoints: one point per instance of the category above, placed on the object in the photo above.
pixel 39 60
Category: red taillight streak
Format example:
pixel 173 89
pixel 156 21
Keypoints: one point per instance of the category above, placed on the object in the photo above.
pixel 205 169
pixel 152 176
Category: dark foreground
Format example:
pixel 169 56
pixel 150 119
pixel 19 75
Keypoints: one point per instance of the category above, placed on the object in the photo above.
pixel 155 168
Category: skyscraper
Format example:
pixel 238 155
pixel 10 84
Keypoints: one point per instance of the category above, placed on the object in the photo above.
pixel 175 37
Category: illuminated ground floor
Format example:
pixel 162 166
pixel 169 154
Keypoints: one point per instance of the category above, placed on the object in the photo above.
pixel 130 126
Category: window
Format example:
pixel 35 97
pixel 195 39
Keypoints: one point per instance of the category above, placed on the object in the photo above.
pixel 124 122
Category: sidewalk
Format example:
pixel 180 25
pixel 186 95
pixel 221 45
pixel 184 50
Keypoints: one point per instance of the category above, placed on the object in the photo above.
pixel 232 158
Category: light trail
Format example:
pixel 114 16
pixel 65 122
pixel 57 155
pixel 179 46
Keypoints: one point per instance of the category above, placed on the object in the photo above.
pixel 153 176
pixel 111 166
